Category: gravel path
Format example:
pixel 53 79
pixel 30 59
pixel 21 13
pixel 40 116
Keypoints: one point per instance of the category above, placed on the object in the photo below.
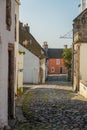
pixel 53 107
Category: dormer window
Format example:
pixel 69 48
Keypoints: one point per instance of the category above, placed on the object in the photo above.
pixel 8 14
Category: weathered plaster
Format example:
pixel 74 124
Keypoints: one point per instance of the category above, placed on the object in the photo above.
pixel 6 37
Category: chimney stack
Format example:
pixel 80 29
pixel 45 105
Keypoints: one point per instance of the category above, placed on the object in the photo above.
pixel 45 46
pixel 20 24
pixel 27 28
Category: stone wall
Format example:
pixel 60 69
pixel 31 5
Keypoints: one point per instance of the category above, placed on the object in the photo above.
pixel 16 40
pixel 80 27
pixel 42 70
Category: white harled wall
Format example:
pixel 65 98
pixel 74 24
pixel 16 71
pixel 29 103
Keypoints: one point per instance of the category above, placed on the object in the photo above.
pixel 83 69
pixel 16 42
pixel 6 37
pixel 83 62
pixel 31 67
pixel 20 70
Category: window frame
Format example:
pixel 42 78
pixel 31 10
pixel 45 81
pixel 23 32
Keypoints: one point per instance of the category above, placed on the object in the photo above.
pixel 57 61
pixel 52 69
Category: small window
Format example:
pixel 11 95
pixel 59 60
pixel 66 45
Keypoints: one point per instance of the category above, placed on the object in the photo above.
pixel 52 70
pixel 57 61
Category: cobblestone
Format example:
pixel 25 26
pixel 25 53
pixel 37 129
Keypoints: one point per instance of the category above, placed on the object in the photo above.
pixel 54 107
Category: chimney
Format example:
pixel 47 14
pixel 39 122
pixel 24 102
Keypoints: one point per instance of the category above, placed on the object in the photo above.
pixel 45 46
pixel 20 24
pixel 65 46
pixel 83 5
pixel 27 28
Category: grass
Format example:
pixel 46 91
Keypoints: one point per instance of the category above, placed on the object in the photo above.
pixel 28 126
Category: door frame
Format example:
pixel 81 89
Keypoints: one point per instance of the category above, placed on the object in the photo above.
pixel 10 81
pixel 61 68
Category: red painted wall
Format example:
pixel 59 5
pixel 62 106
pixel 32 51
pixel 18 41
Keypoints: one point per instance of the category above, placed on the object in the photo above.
pixel 52 64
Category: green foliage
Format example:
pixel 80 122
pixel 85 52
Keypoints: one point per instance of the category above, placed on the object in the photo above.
pixel 19 91
pixel 21 52
pixel 67 55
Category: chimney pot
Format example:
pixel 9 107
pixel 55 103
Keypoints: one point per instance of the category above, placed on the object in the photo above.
pixel 45 46
pixel 20 24
pixel 27 28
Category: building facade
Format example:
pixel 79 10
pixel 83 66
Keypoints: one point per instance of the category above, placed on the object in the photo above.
pixel 83 5
pixel 17 3
pixel 55 61
pixel 56 66
pixel 34 61
pixel 79 53
pixel 31 67
pixel 7 60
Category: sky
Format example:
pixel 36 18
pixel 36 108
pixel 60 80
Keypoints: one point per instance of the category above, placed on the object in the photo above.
pixel 49 19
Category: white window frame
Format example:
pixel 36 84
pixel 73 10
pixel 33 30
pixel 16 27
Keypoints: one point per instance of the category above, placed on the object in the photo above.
pixel 52 69
pixel 57 61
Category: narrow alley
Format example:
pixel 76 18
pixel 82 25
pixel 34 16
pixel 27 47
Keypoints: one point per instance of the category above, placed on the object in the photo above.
pixel 51 107
pixel 43 65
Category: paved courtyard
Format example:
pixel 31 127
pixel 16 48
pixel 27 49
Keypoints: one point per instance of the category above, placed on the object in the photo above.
pixel 51 107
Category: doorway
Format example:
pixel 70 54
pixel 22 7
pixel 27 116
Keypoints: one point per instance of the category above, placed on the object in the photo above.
pixel 10 81
pixel 61 70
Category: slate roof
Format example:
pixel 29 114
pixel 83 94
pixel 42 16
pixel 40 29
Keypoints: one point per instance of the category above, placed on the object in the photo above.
pixel 84 11
pixel 55 53
pixel 34 47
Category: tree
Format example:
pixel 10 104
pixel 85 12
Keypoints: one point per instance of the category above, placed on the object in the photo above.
pixel 67 55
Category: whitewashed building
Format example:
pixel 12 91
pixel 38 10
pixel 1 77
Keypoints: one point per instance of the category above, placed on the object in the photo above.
pixel 20 71
pixel 17 3
pixel 7 60
pixel 34 59
pixel 31 65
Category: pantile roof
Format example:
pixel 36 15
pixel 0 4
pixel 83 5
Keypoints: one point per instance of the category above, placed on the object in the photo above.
pixel 32 45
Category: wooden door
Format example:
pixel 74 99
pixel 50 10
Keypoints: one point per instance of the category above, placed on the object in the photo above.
pixel 10 81
pixel 61 70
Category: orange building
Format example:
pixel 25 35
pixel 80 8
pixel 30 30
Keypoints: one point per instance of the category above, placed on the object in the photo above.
pixel 56 62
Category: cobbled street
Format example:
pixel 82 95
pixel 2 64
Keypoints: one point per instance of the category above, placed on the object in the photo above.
pixel 51 107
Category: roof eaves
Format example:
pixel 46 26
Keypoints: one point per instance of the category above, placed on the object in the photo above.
pixel 80 14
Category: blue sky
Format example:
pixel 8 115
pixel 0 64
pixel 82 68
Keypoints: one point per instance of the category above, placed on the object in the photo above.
pixel 49 19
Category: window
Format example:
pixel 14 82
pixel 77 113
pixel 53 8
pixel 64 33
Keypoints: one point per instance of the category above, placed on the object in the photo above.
pixel 8 14
pixel 57 61
pixel 52 70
